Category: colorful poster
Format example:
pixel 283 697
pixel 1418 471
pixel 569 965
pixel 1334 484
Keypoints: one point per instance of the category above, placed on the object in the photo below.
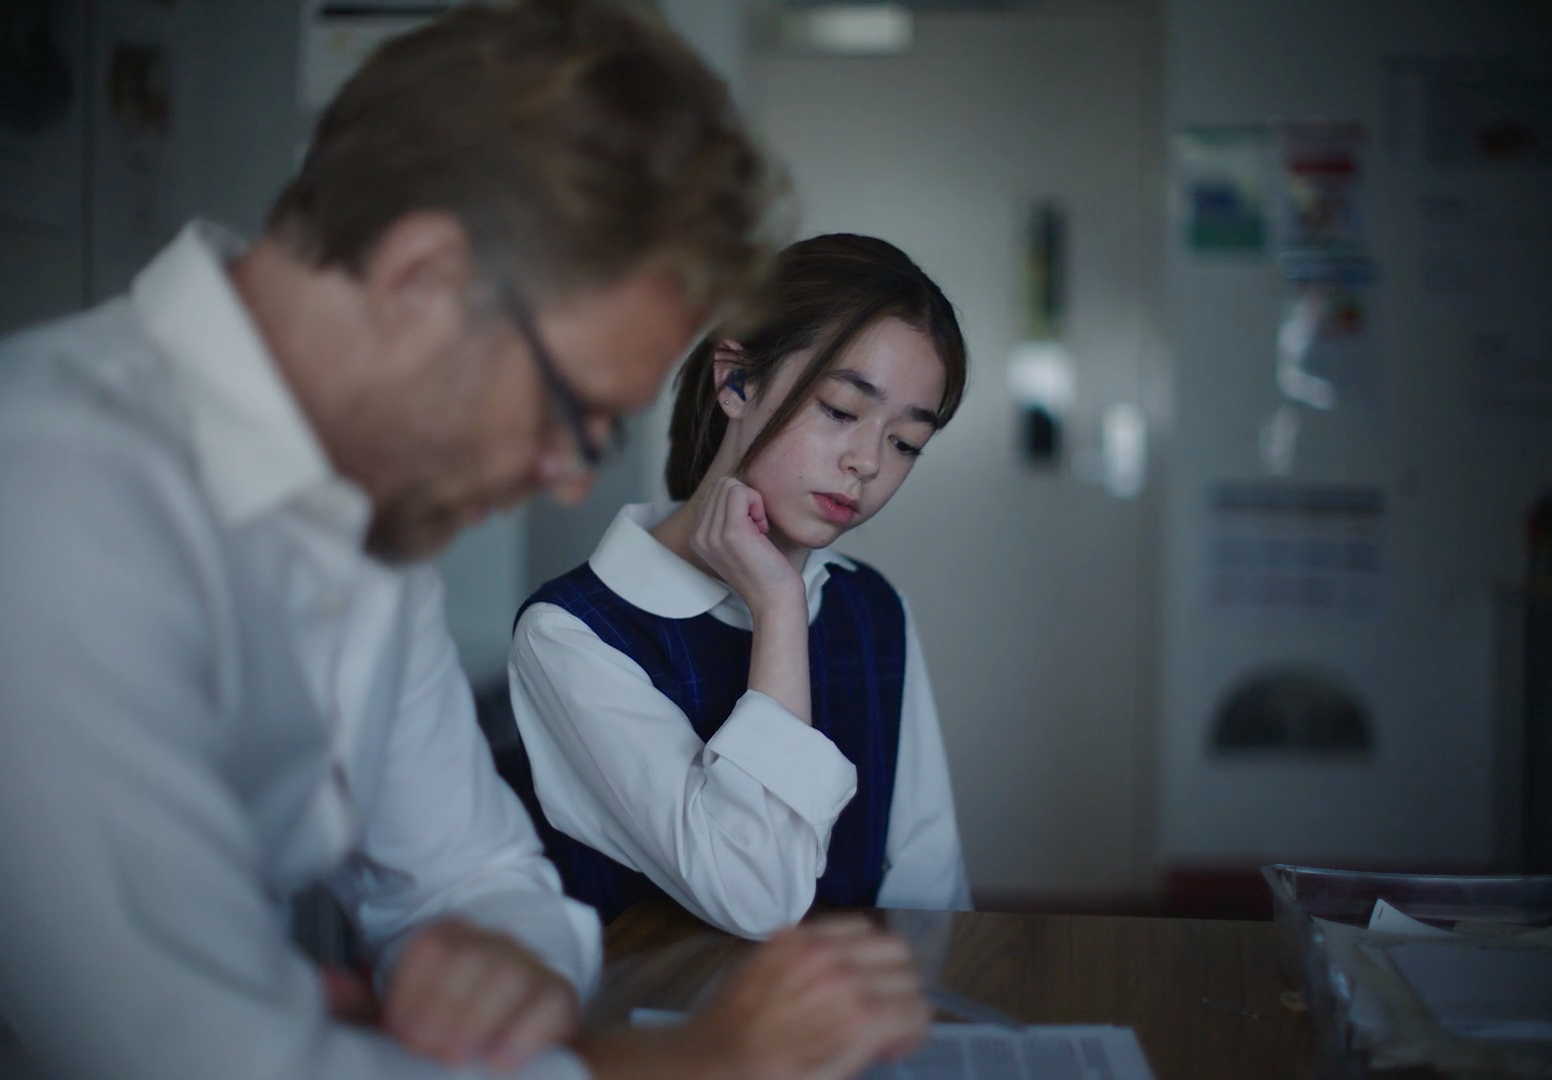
pixel 1222 178
pixel 1326 349
pixel 1319 208
pixel 1343 350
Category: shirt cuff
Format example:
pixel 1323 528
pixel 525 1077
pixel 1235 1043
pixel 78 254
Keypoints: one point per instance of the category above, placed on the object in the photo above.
pixel 788 758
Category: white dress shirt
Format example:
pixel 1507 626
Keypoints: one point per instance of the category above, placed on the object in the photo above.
pixel 736 829
pixel 210 697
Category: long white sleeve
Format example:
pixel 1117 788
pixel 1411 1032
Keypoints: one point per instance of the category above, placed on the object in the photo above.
pixel 138 942
pixel 925 860
pixel 447 836
pixel 736 829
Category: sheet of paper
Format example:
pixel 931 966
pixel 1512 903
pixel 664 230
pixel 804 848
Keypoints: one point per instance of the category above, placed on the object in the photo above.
pixel 1481 992
pixel 977 1052
pixel 1386 918
pixel 986 1052
pixel 1508 925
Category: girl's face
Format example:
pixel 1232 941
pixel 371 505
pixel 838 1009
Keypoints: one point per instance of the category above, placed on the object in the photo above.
pixel 852 444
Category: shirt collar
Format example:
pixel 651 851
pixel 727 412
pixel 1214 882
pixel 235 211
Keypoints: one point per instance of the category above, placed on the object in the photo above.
pixel 255 448
pixel 644 573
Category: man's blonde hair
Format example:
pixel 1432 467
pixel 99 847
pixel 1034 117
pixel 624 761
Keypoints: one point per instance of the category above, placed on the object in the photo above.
pixel 576 141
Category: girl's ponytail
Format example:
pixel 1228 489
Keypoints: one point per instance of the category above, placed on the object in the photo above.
pixel 696 428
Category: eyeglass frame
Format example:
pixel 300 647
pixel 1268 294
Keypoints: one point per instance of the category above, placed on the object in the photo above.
pixel 573 410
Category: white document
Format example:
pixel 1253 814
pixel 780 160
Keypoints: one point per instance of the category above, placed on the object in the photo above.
pixel 982 1052
pixel 1387 919
pixel 987 1052
pixel 1481 991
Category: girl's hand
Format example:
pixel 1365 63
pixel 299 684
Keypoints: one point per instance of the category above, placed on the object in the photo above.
pixel 820 1001
pixel 462 994
pixel 730 536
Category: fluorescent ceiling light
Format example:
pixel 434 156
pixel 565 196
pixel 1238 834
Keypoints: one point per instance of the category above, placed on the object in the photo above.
pixel 850 30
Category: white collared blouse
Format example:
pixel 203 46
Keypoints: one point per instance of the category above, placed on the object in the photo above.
pixel 737 828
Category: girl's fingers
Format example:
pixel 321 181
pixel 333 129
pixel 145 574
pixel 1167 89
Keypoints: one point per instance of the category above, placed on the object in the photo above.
pixel 822 1001
pixel 736 497
pixel 879 950
pixel 839 927
pixel 757 512
pixel 731 537
pixel 903 1027
pixel 549 1018
pixel 737 526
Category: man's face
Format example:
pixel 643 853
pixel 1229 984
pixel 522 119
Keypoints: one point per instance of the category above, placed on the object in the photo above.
pixel 470 425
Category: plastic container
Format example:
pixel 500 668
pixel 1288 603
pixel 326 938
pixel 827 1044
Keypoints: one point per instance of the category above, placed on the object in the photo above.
pixel 1301 893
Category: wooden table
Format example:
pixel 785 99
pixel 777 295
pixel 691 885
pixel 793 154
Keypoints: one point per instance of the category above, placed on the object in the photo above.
pixel 1202 995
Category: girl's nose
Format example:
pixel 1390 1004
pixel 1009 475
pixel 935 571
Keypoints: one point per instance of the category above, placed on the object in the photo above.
pixel 862 455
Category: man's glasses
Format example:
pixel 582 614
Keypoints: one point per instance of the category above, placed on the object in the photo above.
pixel 564 400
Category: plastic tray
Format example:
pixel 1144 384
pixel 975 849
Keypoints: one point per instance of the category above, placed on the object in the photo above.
pixel 1302 892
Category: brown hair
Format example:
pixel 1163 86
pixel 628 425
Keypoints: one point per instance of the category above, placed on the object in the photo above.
pixel 574 140
pixel 826 289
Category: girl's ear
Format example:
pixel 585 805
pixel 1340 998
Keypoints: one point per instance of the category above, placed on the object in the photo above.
pixel 731 378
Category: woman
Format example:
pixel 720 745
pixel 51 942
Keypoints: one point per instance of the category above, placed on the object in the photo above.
pixel 717 704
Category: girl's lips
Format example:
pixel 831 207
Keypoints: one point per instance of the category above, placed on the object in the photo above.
pixel 835 507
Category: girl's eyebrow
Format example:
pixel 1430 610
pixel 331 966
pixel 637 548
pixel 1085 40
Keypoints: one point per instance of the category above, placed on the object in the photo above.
pixel 860 383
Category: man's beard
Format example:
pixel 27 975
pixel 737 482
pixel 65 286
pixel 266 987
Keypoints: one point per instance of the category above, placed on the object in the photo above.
pixel 404 532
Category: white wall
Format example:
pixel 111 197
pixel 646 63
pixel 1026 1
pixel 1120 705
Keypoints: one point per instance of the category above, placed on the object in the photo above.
pixel 43 276
pixel 236 132
pixel 1457 482
pixel 1032 589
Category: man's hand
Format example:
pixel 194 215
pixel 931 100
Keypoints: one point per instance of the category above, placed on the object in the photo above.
pixel 348 996
pixel 820 1001
pixel 460 994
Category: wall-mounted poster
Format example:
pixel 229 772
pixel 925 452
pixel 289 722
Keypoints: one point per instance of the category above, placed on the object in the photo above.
pixel 1326 347
pixel 1295 549
pixel 1319 204
pixel 1221 173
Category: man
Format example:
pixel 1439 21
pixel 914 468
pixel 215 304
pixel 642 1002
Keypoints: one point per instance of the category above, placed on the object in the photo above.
pixel 224 672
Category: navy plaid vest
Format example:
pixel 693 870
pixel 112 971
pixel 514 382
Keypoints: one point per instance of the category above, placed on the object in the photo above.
pixel 856 650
